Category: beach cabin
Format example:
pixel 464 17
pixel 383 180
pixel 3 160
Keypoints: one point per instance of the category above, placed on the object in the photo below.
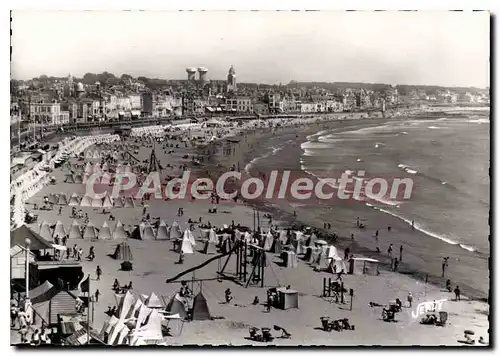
pixel 287 299
pixel 362 265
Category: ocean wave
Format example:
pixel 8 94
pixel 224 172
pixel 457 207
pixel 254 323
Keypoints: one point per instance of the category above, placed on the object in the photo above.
pixel 423 230
pixel 314 145
pixel 433 127
pixel 479 121
pixel 317 134
pixel 407 169
pixel 272 152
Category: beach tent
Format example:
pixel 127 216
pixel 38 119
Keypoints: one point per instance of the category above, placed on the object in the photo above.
pixel 90 232
pixel 75 232
pixel 153 301
pixel 89 155
pixel 129 203
pixel 53 198
pixel 85 178
pixel 147 232
pixel 96 202
pixel 162 232
pixel 311 240
pixel 73 201
pixel 107 203
pixel 45 231
pixel 186 245
pixel 287 299
pixel 59 230
pixel 359 266
pixel 189 236
pixel 118 202
pixel 119 232
pixel 175 231
pixel 177 305
pixel 96 155
pixel 77 179
pixel 86 201
pixel 69 179
pixel 200 308
pixel 134 311
pixel 123 252
pixel 88 168
pixel 104 232
pixel 62 200
pixel 105 178
pixel 210 243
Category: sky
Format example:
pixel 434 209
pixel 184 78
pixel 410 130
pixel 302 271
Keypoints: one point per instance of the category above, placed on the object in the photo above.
pixel 419 48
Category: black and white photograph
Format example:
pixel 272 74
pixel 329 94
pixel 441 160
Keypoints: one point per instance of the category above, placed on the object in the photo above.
pixel 250 178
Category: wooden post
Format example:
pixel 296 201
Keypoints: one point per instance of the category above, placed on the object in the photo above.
pixel 245 263
pixel 324 286
pixel 342 293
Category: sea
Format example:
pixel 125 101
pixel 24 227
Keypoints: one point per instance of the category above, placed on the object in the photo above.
pixel 447 159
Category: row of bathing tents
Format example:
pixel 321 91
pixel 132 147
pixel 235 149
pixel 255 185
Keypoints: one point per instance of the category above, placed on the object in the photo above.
pixel 97 168
pixel 78 231
pixel 93 202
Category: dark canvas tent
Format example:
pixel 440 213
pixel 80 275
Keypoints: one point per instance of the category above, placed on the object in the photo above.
pixel 129 203
pixel 86 201
pixel 75 231
pixel 200 308
pixel 175 232
pixel 153 301
pixel 53 198
pixel 177 305
pixel 19 235
pixel 359 266
pixel 69 179
pixel 62 200
pixel 123 252
pixel 78 179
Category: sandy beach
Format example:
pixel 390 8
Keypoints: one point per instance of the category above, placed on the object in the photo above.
pixel 154 262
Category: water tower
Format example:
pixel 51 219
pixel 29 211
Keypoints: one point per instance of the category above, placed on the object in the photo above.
pixel 203 75
pixel 191 72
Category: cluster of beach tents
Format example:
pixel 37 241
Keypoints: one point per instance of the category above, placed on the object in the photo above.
pixel 77 231
pixel 139 318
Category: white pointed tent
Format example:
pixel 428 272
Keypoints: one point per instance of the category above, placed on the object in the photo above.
pixel 175 231
pixel 88 168
pixel 59 230
pixel 162 233
pixel 96 155
pixel 89 155
pixel 105 178
pixel 75 232
pixel 146 232
pixel 86 201
pixel 153 301
pixel 73 201
pixel 90 231
pixel 187 246
pixel 190 236
pixel 45 231
pixel 210 243
pixel 96 202
pixel 104 232
pixel 119 232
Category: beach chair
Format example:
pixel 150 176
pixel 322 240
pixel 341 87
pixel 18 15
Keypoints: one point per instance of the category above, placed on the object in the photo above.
pixel 443 317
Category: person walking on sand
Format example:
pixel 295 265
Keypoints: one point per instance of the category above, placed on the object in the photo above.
pixel 457 293
pixel 357 221
pixel 98 273
pixel 413 225
pixel 444 265
pixel 400 253
pixel 410 299
pixel 389 250
pixel 396 262
pixel 97 293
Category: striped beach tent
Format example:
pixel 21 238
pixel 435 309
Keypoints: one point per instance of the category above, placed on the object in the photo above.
pixel 89 154
pixel 97 155
pixel 118 202
pixel 73 200
pixel 175 232
pixel 62 199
